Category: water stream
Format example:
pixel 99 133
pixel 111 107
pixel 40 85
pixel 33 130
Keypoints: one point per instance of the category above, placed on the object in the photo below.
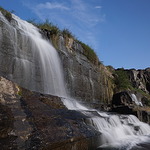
pixel 117 131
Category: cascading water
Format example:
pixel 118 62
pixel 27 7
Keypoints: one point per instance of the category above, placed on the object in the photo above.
pixel 37 57
pixel 116 130
pixel 135 100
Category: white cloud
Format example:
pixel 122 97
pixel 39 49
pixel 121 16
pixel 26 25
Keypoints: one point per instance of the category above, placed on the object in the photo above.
pixel 77 10
pixel 81 17
pixel 49 5
pixel 98 7
pixel 84 12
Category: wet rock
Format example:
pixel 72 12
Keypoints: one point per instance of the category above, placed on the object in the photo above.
pixel 85 81
pixel 31 120
pixel 123 103
pixel 128 102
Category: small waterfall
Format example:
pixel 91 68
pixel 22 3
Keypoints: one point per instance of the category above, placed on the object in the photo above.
pixel 135 100
pixel 92 84
pixel 115 130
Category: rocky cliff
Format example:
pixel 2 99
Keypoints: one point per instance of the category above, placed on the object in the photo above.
pixel 86 79
pixel 30 119
pixel 140 79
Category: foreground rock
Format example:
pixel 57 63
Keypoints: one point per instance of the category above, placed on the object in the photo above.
pixel 30 120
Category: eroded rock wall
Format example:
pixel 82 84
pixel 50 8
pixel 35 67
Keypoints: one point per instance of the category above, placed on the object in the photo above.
pixel 84 80
pixel 140 79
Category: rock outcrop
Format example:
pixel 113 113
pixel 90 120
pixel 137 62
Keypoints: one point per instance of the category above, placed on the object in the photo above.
pixel 30 120
pixel 128 102
pixel 85 81
pixel 140 79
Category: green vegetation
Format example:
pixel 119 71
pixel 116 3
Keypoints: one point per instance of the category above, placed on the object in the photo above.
pixel 122 81
pixel 6 13
pixel 89 53
pixel 67 34
pixel 54 35
pixel 54 30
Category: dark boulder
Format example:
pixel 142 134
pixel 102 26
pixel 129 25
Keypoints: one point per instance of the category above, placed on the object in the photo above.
pixel 128 102
pixel 122 103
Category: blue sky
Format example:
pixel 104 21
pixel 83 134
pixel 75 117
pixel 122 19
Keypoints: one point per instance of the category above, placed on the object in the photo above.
pixel 118 30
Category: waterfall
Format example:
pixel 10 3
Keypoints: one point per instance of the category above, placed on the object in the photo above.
pixel 37 57
pixel 36 61
pixel 135 100
pixel 49 62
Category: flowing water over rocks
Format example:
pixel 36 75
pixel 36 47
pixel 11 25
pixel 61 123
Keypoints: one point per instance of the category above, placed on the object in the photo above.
pixel 38 62
pixel 118 132
pixel 35 63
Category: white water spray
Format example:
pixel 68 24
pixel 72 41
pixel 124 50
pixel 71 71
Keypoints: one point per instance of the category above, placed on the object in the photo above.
pixel 135 100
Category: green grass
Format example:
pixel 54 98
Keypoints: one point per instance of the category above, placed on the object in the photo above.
pixel 67 34
pixel 54 30
pixel 121 80
pixel 6 13
pixel 89 53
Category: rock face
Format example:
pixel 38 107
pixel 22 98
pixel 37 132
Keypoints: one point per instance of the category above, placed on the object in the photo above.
pixel 122 103
pixel 85 81
pixel 128 102
pixel 15 52
pixel 30 120
pixel 140 79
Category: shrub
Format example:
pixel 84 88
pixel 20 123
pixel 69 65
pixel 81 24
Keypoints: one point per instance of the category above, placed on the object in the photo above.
pixel 89 53
pixel 6 13
pixel 122 81
pixel 50 27
pixel 67 33
pixel 55 31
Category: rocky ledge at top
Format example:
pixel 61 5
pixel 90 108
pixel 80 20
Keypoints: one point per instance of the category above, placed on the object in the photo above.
pixel 84 80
